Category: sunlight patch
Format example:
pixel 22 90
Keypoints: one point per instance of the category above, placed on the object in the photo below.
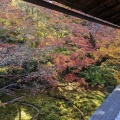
pixel 24 116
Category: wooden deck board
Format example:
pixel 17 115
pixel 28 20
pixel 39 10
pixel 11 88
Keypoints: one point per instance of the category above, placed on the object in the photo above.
pixel 110 108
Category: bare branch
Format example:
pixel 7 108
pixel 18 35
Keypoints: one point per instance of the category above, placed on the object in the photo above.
pixel 13 84
pixel 14 100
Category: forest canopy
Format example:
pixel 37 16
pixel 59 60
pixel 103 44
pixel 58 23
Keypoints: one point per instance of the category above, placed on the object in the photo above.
pixel 53 65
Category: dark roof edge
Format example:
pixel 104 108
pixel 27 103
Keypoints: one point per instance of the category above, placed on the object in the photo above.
pixel 70 12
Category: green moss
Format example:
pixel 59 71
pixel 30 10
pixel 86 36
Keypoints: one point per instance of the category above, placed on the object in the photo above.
pixel 52 108
pixel 3 70
pixel 24 115
pixel 8 113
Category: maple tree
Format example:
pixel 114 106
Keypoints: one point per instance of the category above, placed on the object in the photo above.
pixel 113 53
pixel 40 51
pixel 72 48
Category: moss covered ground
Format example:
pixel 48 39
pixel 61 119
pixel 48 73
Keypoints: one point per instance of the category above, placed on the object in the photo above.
pixel 61 104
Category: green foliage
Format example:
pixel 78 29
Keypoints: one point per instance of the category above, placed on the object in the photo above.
pixel 63 50
pixel 40 29
pixel 15 70
pixel 113 53
pixel 9 71
pixel 52 108
pixel 11 109
pixel 30 66
pixel 60 31
pixel 2 82
pixel 99 75
pixel 3 71
pixel 11 37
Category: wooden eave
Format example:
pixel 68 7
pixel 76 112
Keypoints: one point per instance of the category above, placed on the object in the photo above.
pixel 103 9
pixel 105 12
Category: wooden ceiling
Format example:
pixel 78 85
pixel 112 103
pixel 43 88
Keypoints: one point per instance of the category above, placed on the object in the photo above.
pixel 107 11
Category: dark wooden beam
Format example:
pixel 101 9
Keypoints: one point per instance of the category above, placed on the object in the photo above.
pixel 110 15
pixel 99 5
pixel 117 22
pixel 74 5
pixel 66 11
pixel 113 16
pixel 107 9
pixel 80 5
pixel 118 1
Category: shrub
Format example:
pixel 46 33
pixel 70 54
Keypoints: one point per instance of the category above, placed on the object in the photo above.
pixel 30 66
pixel 15 70
pixel 99 75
